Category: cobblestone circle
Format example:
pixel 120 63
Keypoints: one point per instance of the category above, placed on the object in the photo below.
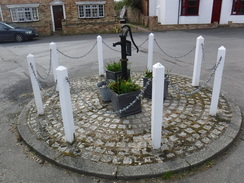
pixel 187 125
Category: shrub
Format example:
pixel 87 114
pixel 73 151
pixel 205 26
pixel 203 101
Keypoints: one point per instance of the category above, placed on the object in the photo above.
pixel 148 74
pixel 114 66
pixel 122 86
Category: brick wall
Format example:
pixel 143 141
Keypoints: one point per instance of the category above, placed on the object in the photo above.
pixel 43 25
pixel 135 16
pixel 75 25
pixel 72 24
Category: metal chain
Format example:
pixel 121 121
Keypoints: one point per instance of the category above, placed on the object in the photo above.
pixel 49 69
pixel 201 87
pixel 141 44
pixel 79 56
pixel 204 59
pixel 203 52
pixel 175 57
pixel 138 97
pixel 40 86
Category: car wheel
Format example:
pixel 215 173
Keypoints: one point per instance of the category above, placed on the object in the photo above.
pixel 19 38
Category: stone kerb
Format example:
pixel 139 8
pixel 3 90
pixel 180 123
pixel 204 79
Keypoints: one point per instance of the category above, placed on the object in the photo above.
pixel 112 147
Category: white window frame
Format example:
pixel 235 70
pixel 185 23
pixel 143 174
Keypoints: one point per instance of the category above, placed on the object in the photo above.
pixel 24 12
pixel 1 13
pixel 91 9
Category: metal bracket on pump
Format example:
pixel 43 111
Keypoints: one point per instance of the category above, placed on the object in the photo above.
pixel 125 49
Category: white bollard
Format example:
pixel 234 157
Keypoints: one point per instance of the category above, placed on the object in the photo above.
pixel 198 61
pixel 157 105
pixel 54 60
pixel 35 85
pixel 100 55
pixel 150 52
pixel 217 81
pixel 65 102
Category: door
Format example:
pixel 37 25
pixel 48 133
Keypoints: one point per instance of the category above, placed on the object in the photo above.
pixel 216 11
pixel 58 16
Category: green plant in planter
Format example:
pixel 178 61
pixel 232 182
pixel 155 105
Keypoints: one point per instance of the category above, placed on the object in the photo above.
pixel 114 66
pixel 114 71
pixel 123 94
pixel 147 78
pixel 122 86
pixel 148 91
pixel 148 74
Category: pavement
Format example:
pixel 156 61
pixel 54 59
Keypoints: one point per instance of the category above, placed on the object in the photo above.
pixel 21 164
pixel 108 146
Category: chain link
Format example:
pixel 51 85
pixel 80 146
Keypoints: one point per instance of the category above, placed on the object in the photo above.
pixel 141 45
pixel 49 69
pixel 138 97
pixel 71 57
pixel 204 59
pixel 174 57
pixel 40 86
pixel 176 89
pixel 143 42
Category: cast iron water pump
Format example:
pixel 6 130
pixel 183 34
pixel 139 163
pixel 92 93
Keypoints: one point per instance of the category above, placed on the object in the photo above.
pixel 125 49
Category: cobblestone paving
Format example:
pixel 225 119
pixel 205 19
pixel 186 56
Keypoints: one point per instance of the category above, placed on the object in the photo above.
pixel 187 125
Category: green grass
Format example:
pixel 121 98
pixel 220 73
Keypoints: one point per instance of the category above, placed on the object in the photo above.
pixel 114 66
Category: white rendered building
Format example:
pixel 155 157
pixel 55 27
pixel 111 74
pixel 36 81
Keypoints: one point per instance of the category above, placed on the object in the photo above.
pixel 197 11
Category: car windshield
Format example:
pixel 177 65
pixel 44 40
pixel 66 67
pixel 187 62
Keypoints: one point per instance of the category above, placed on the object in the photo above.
pixel 9 26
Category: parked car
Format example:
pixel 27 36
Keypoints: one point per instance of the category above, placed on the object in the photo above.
pixel 19 34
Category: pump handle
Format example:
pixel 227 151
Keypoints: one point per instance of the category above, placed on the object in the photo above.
pixel 131 37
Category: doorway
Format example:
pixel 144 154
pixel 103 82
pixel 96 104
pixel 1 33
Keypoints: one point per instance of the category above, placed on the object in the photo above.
pixel 58 15
pixel 217 4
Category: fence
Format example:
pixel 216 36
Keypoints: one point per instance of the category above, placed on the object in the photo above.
pixel 63 85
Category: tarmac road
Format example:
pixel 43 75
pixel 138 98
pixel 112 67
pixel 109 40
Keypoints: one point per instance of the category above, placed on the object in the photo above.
pixel 19 164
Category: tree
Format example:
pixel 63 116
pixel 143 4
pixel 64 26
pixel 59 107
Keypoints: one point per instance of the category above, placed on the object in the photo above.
pixel 118 5
pixel 133 3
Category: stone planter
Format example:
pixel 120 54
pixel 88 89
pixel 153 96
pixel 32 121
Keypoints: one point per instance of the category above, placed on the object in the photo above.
pixel 110 75
pixel 123 100
pixel 148 90
pixel 104 91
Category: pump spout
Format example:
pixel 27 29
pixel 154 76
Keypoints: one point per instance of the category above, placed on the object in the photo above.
pixel 117 43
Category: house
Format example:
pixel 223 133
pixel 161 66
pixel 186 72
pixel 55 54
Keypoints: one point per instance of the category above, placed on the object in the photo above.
pixel 192 13
pixel 197 11
pixel 67 16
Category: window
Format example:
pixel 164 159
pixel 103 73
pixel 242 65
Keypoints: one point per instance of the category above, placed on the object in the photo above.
pixel 24 12
pixel 189 7
pixel 238 7
pixel 91 9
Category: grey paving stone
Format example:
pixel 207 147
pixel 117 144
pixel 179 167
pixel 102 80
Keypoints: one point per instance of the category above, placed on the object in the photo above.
pixel 189 134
